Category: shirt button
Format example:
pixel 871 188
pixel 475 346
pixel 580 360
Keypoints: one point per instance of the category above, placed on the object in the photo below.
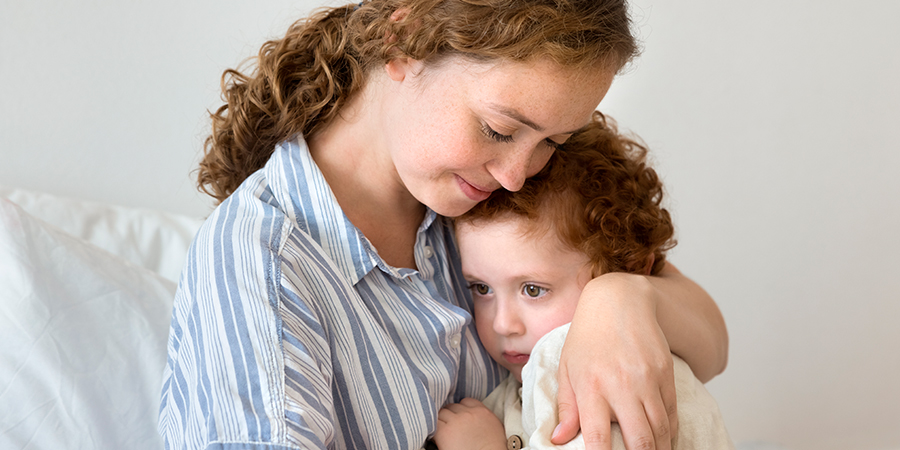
pixel 428 251
pixel 454 341
pixel 514 443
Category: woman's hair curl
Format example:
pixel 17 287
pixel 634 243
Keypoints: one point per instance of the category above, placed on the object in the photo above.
pixel 599 196
pixel 297 84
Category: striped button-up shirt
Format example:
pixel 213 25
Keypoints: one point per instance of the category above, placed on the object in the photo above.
pixel 289 331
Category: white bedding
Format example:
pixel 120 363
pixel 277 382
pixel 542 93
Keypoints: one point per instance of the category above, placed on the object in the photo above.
pixel 85 304
pixel 85 301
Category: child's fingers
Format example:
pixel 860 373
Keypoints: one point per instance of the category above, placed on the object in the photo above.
pixel 471 402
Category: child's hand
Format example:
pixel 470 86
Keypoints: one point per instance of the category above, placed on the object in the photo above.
pixel 469 425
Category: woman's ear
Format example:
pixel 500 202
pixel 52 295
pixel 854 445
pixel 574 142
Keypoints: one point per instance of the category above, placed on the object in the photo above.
pixel 400 67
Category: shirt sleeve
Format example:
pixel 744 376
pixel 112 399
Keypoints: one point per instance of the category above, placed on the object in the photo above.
pixel 226 377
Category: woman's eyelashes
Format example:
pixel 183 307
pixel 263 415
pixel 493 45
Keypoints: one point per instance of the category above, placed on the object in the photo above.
pixel 489 132
pixel 507 138
pixel 553 144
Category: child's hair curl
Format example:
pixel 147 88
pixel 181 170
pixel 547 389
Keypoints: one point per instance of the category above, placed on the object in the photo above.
pixel 301 81
pixel 599 196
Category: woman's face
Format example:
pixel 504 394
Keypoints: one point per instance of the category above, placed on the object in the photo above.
pixel 458 130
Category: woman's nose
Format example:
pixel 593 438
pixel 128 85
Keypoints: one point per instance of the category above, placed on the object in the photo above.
pixel 514 165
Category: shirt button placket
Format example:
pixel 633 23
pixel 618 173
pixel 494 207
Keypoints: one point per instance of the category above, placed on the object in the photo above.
pixel 454 341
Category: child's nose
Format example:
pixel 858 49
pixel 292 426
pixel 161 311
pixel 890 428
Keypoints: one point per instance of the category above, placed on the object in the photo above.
pixel 507 321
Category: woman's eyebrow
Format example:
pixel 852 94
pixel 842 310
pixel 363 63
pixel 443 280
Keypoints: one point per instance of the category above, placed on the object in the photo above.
pixel 514 114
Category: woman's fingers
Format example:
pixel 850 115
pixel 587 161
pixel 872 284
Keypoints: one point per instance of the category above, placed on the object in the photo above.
pixel 670 403
pixel 567 409
pixel 651 421
pixel 597 432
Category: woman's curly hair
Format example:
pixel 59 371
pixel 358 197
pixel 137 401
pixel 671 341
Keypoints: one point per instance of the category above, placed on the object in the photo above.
pixel 297 84
pixel 599 196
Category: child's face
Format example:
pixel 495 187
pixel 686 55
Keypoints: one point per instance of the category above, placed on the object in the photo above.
pixel 523 286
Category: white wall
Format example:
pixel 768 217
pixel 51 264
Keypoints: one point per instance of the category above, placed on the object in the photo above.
pixel 107 100
pixel 774 124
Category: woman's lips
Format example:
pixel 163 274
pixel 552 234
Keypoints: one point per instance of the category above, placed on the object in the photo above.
pixel 474 193
pixel 515 358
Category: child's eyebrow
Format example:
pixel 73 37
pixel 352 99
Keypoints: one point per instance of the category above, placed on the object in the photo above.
pixel 514 114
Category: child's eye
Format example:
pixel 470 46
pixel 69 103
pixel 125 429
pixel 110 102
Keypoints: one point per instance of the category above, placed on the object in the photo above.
pixel 533 291
pixel 489 132
pixel 480 288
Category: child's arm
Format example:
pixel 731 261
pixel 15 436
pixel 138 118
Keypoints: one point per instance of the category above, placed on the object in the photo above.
pixel 469 425
pixel 638 320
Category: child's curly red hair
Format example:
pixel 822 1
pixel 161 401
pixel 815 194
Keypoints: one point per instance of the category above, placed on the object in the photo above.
pixel 600 197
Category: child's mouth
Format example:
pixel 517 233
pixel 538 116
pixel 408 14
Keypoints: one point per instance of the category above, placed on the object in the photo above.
pixel 515 358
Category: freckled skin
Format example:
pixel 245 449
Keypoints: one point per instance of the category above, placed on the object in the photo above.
pixel 434 122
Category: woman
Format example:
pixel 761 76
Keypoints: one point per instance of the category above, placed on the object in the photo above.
pixel 322 304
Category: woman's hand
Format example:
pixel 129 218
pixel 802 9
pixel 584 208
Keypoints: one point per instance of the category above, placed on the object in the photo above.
pixel 616 366
pixel 469 425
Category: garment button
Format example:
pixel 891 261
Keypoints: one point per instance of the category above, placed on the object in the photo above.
pixel 514 443
pixel 454 341
pixel 428 251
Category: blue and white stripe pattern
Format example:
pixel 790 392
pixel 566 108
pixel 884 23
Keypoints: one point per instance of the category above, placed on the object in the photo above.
pixel 289 332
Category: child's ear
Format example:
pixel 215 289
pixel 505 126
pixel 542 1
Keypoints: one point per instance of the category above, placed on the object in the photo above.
pixel 642 269
pixel 649 267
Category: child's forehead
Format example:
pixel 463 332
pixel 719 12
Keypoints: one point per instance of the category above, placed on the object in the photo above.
pixel 511 225
pixel 510 222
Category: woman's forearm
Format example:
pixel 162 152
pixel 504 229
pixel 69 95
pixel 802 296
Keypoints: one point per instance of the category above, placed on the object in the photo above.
pixel 692 323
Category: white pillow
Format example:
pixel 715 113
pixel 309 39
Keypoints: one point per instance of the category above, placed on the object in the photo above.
pixel 82 341
pixel 153 239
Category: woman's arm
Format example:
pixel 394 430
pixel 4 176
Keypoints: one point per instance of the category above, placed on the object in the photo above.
pixel 616 363
pixel 692 323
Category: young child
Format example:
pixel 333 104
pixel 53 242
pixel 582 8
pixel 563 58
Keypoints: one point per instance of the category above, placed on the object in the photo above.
pixel 527 255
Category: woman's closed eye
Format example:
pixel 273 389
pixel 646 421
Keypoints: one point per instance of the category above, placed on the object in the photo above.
pixel 553 144
pixel 507 138
pixel 489 132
